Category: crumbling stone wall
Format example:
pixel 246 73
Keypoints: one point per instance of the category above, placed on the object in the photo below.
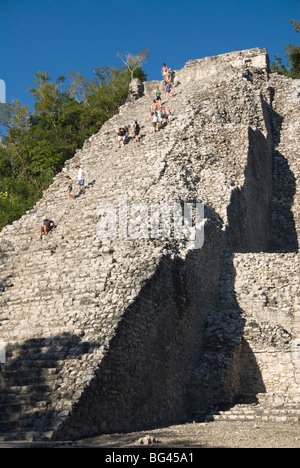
pixel 267 285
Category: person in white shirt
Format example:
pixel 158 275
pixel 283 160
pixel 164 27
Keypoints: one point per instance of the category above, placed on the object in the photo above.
pixel 240 60
pixel 80 180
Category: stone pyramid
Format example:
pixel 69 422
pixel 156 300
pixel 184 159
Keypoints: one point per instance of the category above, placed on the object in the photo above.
pixel 116 320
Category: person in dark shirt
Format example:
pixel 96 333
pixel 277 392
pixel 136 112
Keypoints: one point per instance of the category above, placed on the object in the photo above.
pixel 47 226
pixel 121 136
pixel 136 129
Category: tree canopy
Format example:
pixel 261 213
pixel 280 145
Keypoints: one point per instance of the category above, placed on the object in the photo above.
pixel 292 53
pixel 34 146
pixel 134 62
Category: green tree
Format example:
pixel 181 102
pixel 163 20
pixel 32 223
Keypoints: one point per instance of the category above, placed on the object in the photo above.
pixel 13 118
pixel 292 53
pixel 134 62
pixel 34 147
pixel 75 90
pixel 45 92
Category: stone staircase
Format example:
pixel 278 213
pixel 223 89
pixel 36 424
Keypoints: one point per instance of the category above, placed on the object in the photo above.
pixel 106 334
pixel 279 408
pixel 57 308
pixel 27 380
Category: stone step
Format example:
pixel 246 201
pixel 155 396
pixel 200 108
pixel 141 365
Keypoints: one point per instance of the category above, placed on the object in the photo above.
pixel 281 407
pixel 12 414
pixel 26 436
pixel 28 397
pixel 23 429
pixel 247 413
pixel 23 381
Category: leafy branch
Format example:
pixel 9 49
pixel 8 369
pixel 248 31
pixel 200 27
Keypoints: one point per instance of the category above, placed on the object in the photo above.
pixel 133 62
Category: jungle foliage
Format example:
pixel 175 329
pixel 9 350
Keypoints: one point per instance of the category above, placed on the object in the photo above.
pixel 292 54
pixel 34 146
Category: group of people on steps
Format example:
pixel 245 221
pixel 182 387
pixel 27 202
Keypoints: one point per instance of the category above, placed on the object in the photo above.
pixel 123 132
pixel 158 113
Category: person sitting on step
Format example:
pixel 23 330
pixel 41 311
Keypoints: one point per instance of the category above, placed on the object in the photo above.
pixel 47 226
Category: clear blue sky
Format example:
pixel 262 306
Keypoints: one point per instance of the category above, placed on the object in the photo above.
pixel 58 36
